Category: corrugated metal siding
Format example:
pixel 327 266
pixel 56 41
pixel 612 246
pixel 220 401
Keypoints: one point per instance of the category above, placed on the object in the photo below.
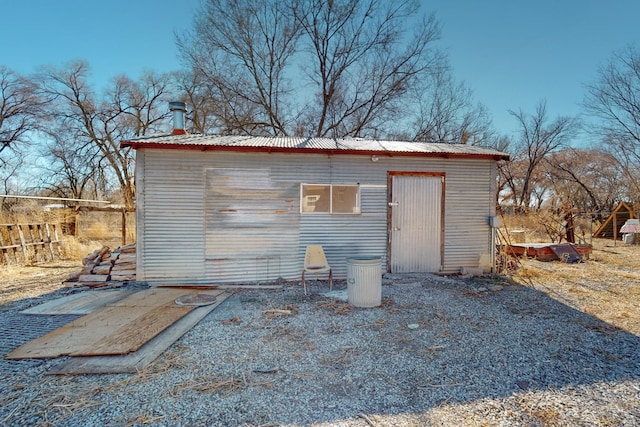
pixel 251 226
pixel 173 218
pixel 140 214
pixel 346 236
pixel 469 203
pixel 175 241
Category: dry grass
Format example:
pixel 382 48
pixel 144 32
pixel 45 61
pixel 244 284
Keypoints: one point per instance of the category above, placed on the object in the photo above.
pixel 341 358
pixel 607 285
pixel 94 230
pixel 21 282
pixel 221 386
pixel 544 226
pixel 172 359
pixel 336 307
pixel 286 310
pixel 57 399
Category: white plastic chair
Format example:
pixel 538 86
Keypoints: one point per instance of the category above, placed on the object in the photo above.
pixel 315 262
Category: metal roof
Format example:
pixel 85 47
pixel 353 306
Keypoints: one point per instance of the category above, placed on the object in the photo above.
pixel 311 145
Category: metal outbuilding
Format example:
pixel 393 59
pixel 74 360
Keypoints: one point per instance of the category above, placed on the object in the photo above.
pixel 242 209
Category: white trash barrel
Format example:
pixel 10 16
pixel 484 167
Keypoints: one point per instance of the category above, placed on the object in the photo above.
pixel 364 281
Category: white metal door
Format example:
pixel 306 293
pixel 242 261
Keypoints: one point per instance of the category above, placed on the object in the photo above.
pixel 416 223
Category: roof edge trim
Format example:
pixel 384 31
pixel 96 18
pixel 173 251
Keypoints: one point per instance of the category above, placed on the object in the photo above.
pixel 284 150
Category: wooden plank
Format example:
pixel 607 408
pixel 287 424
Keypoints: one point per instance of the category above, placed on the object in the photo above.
pixel 128 248
pixel 22 242
pixel 118 270
pixel 79 335
pixel 123 277
pixel 132 335
pixel 77 284
pixel 49 240
pixel 80 303
pixel 139 360
pixel 130 319
pixel 93 278
pixel 157 296
pixel 102 269
pixel 125 265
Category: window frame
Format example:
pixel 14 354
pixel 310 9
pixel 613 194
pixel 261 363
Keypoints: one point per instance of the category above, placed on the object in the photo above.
pixel 330 211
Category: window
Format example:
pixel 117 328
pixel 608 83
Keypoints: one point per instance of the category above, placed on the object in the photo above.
pixel 330 198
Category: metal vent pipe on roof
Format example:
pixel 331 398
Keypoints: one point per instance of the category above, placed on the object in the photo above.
pixel 178 109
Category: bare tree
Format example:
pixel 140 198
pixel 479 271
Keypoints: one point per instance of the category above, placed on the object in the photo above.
pixel 590 180
pixel 8 172
pixel 614 99
pixel 94 127
pixel 70 167
pixel 205 113
pixel 242 50
pixel 364 62
pixel 537 139
pixel 309 67
pixel 447 113
pixel 20 105
pixel 140 106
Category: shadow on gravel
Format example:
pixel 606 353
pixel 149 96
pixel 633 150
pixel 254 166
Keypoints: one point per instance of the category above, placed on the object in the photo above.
pixel 317 360
pixel 471 343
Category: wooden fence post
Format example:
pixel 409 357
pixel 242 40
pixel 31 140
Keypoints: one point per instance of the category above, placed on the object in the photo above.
pixel 49 241
pixel 23 243
pixel 43 238
pixel 124 226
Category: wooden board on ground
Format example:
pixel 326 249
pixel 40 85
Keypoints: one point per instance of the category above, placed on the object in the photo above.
pixel 139 360
pixel 93 278
pixel 157 296
pixel 80 303
pixel 118 328
pixel 123 277
pixel 102 269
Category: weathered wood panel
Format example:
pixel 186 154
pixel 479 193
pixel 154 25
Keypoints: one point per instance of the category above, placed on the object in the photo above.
pixel 140 359
pixel 119 328
pixel 80 303
pixel 26 243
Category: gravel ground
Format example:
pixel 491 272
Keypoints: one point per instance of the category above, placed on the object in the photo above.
pixel 439 351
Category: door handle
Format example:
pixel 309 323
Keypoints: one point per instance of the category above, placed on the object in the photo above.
pixel 393 204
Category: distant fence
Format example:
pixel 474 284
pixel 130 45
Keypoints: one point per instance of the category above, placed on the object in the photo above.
pixel 29 243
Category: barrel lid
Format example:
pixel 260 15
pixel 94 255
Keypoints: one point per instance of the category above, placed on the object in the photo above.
pixel 364 259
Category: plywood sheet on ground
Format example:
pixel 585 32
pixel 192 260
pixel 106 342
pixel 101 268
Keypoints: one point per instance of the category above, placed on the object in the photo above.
pixel 140 359
pixel 80 303
pixel 118 328
pixel 157 296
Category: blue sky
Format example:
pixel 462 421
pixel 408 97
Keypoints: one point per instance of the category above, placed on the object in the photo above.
pixel 511 53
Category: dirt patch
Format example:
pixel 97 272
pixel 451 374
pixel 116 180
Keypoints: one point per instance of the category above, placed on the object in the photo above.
pixel 21 282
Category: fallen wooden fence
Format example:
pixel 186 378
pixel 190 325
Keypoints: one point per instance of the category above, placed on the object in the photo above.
pixel 29 243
